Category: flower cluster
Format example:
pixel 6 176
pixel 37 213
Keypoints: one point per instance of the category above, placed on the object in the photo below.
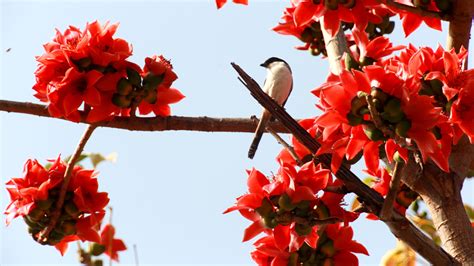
pixel 302 222
pixel 420 100
pixel 89 68
pixel 34 197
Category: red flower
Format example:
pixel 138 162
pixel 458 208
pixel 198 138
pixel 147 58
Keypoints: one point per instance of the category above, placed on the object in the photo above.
pixel 221 3
pixel 411 21
pixel 358 12
pixel 34 197
pixel 343 246
pixel 112 245
pixel 158 73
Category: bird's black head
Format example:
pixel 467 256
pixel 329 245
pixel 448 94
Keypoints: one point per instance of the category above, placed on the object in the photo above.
pixel 272 60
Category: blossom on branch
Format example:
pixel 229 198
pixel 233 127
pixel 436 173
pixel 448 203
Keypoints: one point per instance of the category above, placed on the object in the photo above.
pixel 34 196
pixel 89 69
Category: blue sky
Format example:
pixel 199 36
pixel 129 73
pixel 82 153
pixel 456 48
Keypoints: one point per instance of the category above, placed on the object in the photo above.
pixel 168 189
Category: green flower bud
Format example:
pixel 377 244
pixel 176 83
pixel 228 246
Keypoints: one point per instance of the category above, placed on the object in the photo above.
pixel 121 101
pixel 55 237
pixel 270 222
pixel 265 209
pixel 389 29
pixel 284 203
pixel 124 87
pixel 36 214
pixel 322 211
pixel 437 86
pixel 393 111
pixel 96 249
pixel 71 209
pixel 307 35
pixel 134 77
pixel 31 224
pixel 354 120
pixel 373 133
pixel 379 94
pixel 152 81
pixel 44 204
pixel 303 229
pixel 151 97
pixel 402 128
pixel 357 104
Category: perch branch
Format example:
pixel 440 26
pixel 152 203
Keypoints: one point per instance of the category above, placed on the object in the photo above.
pixel 416 10
pixel 205 124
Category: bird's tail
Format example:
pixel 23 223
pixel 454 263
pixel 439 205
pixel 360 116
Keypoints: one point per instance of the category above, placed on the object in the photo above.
pixel 258 133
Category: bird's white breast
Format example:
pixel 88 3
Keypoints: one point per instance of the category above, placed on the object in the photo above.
pixel 279 82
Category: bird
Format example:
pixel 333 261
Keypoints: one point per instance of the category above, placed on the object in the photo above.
pixel 278 85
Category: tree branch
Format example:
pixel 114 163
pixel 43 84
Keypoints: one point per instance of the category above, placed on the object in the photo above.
pixel 44 234
pixel 205 124
pixel 399 225
pixel 460 26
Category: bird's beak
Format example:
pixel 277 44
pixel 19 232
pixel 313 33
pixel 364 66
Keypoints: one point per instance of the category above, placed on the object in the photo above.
pixel 263 65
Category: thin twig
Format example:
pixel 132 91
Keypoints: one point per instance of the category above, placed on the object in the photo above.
pixel 136 254
pixel 281 141
pixel 416 10
pixel 204 124
pixel 387 207
pixel 44 234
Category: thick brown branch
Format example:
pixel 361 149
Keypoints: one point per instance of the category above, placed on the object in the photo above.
pixel 205 124
pixel 460 26
pixel 399 225
pixel 416 10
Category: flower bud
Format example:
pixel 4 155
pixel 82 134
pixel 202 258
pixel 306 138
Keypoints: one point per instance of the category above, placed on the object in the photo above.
pixel 357 105
pixel 96 249
pixel 124 87
pixel 121 101
pixel 83 63
pixel 397 158
pixel 402 128
pixel 303 229
pixel 322 211
pixel 392 111
pixel 390 27
pixel 36 214
pixel 151 97
pixel 152 81
pixel 44 204
pixel 134 77
pixel 354 120
pixel 265 209
pixel 270 221
pixel 373 133
pixel 285 203
pixel 379 94
pixel 71 209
